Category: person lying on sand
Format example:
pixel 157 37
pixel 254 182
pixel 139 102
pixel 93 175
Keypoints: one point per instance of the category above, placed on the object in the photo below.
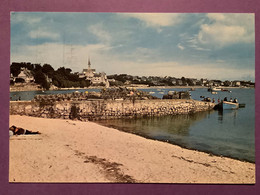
pixel 20 131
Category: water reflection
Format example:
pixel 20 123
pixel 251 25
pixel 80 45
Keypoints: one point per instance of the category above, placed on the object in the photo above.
pixel 227 114
pixel 164 128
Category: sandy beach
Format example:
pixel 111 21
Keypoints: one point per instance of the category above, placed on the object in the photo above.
pixel 75 151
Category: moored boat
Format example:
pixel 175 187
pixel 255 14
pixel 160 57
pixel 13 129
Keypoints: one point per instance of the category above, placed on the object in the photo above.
pixel 229 105
pixel 226 90
pixel 211 89
pixel 225 105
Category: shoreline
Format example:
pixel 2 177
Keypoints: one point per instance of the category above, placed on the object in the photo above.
pixel 75 151
pixel 136 87
pixel 175 144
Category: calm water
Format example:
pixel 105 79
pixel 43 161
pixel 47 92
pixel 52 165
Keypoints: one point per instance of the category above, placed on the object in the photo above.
pixel 29 95
pixel 228 133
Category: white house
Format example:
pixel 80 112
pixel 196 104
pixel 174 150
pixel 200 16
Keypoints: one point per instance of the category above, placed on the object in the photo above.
pixel 26 75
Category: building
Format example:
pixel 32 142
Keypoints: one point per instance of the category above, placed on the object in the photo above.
pixel 179 82
pixel 25 75
pixel 95 78
pixel 236 83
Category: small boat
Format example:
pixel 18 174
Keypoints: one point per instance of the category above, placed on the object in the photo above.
pixel 225 105
pixel 226 90
pixel 214 92
pixel 216 89
pixel 211 89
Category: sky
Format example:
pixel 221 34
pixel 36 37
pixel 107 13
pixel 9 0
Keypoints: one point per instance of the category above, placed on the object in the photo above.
pixel 204 45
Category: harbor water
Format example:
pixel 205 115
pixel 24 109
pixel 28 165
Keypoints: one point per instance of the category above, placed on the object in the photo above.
pixel 229 133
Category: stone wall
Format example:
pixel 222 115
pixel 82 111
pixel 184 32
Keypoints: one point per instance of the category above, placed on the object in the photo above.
pixel 107 109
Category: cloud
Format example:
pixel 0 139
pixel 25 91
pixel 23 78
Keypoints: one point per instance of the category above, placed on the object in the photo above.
pixel 180 47
pixel 140 54
pixel 76 57
pixel 156 19
pixel 58 55
pixel 193 42
pixel 101 34
pixel 227 29
pixel 178 70
pixel 222 35
pixel 41 33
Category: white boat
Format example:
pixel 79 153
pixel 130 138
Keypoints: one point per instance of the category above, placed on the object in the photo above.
pixel 229 105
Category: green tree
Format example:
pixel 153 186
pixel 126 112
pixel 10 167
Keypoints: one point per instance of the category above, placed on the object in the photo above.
pixel 40 78
pixel 15 69
pixel 37 67
pixel 48 70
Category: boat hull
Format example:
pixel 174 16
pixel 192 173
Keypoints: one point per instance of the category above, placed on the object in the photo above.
pixel 229 105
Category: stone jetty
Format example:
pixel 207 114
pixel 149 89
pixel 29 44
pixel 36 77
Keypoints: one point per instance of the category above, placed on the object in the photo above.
pixel 107 104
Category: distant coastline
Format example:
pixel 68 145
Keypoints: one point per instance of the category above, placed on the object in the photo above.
pixel 36 87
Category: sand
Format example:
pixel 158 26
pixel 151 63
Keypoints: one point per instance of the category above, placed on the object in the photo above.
pixel 75 151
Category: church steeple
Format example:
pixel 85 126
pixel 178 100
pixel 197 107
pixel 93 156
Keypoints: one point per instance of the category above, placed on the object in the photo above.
pixel 89 64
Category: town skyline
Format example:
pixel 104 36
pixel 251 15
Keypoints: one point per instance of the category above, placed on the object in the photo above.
pixel 213 46
pixel 47 76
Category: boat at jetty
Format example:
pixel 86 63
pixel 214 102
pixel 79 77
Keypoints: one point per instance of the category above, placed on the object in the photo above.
pixel 229 105
pixel 225 105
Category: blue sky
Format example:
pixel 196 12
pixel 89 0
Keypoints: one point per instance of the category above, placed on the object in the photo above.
pixel 214 46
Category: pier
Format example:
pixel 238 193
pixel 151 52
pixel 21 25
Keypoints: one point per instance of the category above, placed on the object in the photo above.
pixel 108 109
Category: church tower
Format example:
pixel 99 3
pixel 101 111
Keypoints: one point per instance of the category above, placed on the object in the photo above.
pixel 89 64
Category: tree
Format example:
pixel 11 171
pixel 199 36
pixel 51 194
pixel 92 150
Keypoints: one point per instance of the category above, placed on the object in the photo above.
pixel 61 70
pixel 37 67
pixel 40 78
pixel 68 71
pixel 48 70
pixel 184 81
pixel 29 66
pixel 15 69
